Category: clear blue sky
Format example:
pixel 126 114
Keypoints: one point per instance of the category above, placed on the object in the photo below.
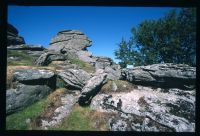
pixel 105 26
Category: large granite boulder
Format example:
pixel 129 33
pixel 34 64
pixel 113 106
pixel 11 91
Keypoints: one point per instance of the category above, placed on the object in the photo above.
pixel 91 88
pixel 74 78
pixel 35 77
pixel 70 40
pixel 12 36
pixel 47 57
pixel 72 43
pixel 102 62
pixel 114 72
pixel 24 95
pixel 164 75
pixel 31 85
pixel 149 109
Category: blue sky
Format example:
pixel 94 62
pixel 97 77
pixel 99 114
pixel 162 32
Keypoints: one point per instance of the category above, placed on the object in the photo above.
pixel 105 26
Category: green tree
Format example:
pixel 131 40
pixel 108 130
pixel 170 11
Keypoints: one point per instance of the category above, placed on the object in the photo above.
pixel 125 53
pixel 170 39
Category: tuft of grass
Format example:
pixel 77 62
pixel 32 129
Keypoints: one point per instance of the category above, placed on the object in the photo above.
pixel 17 121
pixel 84 119
pixel 122 86
pixel 83 65
pixel 26 59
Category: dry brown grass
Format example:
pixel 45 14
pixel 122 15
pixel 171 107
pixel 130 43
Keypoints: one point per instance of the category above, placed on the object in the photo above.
pixel 100 120
pixel 56 62
pixel 122 86
pixel 55 96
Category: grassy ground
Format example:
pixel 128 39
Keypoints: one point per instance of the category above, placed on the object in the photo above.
pixel 17 121
pixel 84 65
pixel 26 59
pixel 84 119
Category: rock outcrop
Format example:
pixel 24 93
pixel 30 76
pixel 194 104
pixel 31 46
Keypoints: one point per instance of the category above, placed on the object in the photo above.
pixel 102 62
pixel 24 95
pixel 26 47
pixel 46 58
pixel 91 88
pixel 31 86
pixel 147 109
pixel 74 78
pixel 73 40
pixel 73 43
pixel 12 36
pixel 163 75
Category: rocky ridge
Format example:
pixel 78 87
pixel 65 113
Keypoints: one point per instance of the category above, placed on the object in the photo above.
pixel 162 99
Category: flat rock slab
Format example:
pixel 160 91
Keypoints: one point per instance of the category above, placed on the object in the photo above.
pixel 162 75
pixel 173 108
pixel 32 74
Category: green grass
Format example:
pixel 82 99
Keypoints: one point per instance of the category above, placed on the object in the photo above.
pixel 17 121
pixel 83 119
pixel 26 59
pixel 84 65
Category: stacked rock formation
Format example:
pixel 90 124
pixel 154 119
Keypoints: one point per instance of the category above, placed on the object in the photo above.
pixel 12 36
pixel 73 43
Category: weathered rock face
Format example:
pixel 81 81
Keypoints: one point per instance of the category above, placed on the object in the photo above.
pixel 24 95
pixel 71 40
pixel 86 56
pixel 12 36
pixel 91 88
pixel 74 78
pixel 72 43
pixel 26 47
pixel 48 57
pixel 164 75
pixel 35 77
pixel 147 109
pixel 102 62
pixel 114 72
pixel 31 86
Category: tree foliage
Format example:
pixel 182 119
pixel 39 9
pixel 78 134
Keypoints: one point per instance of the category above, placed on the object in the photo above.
pixel 170 39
